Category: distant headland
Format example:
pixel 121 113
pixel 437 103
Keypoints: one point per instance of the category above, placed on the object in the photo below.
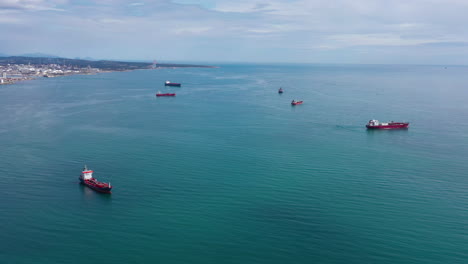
pixel 18 68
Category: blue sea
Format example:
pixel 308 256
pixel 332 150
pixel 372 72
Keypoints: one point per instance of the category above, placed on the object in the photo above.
pixel 229 172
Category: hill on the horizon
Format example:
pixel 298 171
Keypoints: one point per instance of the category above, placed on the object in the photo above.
pixel 38 55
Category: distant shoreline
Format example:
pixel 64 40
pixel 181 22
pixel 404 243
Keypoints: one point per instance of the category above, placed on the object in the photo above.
pixel 27 68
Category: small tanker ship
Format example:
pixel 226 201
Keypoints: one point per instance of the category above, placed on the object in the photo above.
pixel 169 83
pixel 86 178
pixel 375 124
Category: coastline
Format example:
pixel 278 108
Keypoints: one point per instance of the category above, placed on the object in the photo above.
pixel 29 68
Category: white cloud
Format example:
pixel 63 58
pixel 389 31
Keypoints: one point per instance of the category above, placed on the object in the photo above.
pixel 244 6
pixel 274 28
pixel 111 21
pixel 136 4
pixel 190 30
pixel 383 39
pixel 36 5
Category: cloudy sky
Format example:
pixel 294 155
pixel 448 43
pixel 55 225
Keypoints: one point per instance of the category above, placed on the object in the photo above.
pixel 304 31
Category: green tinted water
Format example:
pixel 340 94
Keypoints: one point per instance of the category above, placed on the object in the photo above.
pixel 229 172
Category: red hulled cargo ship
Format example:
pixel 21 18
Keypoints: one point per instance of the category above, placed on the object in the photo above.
pixel 165 94
pixel 294 102
pixel 87 179
pixel 375 124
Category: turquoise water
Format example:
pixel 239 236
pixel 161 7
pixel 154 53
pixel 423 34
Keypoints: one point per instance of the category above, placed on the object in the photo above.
pixel 229 172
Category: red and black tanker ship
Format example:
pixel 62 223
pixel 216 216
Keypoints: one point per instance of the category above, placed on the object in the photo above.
pixel 294 102
pixel 164 94
pixel 86 178
pixel 375 124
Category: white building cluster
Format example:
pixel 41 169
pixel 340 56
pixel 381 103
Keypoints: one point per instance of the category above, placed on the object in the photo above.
pixel 11 73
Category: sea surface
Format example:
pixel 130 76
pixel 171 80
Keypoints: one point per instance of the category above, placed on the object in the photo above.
pixel 229 172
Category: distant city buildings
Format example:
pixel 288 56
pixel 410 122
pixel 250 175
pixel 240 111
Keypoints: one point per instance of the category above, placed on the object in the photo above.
pixel 12 73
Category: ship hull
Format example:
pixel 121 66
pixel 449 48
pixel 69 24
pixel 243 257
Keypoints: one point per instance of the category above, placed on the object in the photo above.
pixel 96 188
pixel 172 84
pixel 165 95
pixel 297 103
pixel 389 126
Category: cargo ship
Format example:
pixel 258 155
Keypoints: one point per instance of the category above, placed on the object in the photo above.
pixel 294 102
pixel 375 124
pixel 168 83
pixel 87 179
pixel 165 94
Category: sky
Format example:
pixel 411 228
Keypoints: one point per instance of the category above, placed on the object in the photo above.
pixel 263 31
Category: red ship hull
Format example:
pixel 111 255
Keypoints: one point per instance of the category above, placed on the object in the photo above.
pixel 166 94
pixel 297 103
pixel 389 126
pixel 96 185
